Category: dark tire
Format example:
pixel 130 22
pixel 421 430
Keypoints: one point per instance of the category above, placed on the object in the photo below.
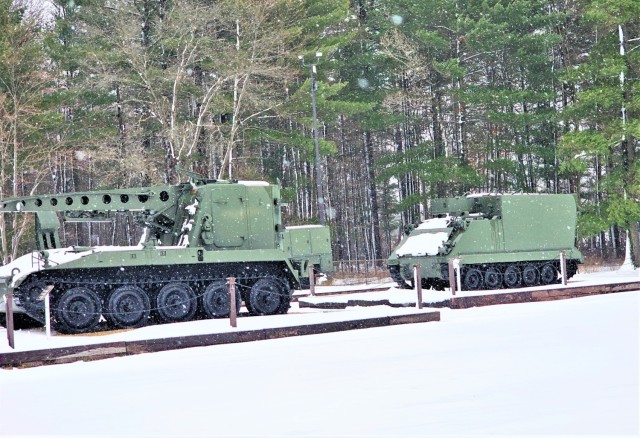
pixel 128 307
pixel 29 293
pixel 472 279
pixel 512 277
pixel 492 278
pixel 216 302
pixel 394 271
pixel 572 268
pixel 266 297
pixel 176 302
pixel 440 285
pixel 285 300
pixel 530 276
pixel 20 321
pixel 548 274
pixel 77 310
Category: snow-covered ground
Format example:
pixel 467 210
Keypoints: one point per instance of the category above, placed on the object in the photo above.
pixel 549 368
pixel 35 339
pixel 431 296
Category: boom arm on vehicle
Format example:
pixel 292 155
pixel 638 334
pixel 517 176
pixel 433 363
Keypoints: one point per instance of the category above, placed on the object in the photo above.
pixel 154 207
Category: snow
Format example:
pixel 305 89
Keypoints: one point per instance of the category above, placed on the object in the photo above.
pixel 33 261
pixel 426 243
pixel 254 183
pixel 438 223
pixel 403 296
pixel 423 244
pixel 548 368
pixel 26 340
pixel 191 208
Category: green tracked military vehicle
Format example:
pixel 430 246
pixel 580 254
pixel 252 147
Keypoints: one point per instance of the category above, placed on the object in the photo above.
pixel 502 241
pixel 196 235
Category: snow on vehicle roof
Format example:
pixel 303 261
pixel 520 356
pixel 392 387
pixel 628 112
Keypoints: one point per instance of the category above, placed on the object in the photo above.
pixel 434 224
pixel 483 195
pixel 34 261
pixel 254 183
pixel 423 244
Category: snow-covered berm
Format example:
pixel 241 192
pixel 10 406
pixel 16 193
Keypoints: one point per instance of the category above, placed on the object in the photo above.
pixel 548 368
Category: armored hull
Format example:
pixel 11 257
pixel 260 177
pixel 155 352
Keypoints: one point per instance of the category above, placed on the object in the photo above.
pixel 196 236
pixel 500 241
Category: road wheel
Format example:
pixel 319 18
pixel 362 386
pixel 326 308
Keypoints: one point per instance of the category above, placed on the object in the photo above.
pixel 572 268
pixel 440 285
pixel 21 321
pixel 512 276
pixel 29 294
pixel 216 302
pixel 492 278
pixel 285 297
pixel 548 274
pixel 266 296
pixel 127 307
pixel 530 275
pixel 472 279
pixel 77 310
pixel 394 271
pixel 176 302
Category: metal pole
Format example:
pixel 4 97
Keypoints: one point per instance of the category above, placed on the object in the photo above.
pixel 319 177
pixel 233 311
pixel 312 280
pixel 563 267
pixel 47 315
pixel 44 295
pixel 452 278
pixel 8 296
pixel 418 277
pixel 456 265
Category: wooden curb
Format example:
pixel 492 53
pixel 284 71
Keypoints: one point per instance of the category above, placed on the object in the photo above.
pixel 354 303
pixel 34 358
pixel 536 295
pixel 296 297
pixel 465 302
pixel 26 359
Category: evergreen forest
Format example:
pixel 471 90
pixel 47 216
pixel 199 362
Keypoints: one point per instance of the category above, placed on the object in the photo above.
pixel 404 100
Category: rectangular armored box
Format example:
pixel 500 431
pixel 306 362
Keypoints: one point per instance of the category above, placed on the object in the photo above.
pixel 312 242
pixel 540 222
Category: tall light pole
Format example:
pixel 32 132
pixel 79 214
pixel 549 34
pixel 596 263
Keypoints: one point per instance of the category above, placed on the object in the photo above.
pixel 319 177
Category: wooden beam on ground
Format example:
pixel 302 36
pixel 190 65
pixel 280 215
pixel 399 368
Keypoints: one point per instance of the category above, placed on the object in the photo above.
pixel 26 359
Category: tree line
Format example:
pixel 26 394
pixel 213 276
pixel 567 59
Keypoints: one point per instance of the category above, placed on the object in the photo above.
pixel 415 99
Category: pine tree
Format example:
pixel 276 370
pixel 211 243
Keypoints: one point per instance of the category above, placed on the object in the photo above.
pixel 604 120
pixel 26 117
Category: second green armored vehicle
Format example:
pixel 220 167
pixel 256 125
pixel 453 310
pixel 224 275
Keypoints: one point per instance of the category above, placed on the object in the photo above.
pixel 500 241
pixel 196 235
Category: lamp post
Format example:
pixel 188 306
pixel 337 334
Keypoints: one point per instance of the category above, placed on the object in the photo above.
pixel 319 177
